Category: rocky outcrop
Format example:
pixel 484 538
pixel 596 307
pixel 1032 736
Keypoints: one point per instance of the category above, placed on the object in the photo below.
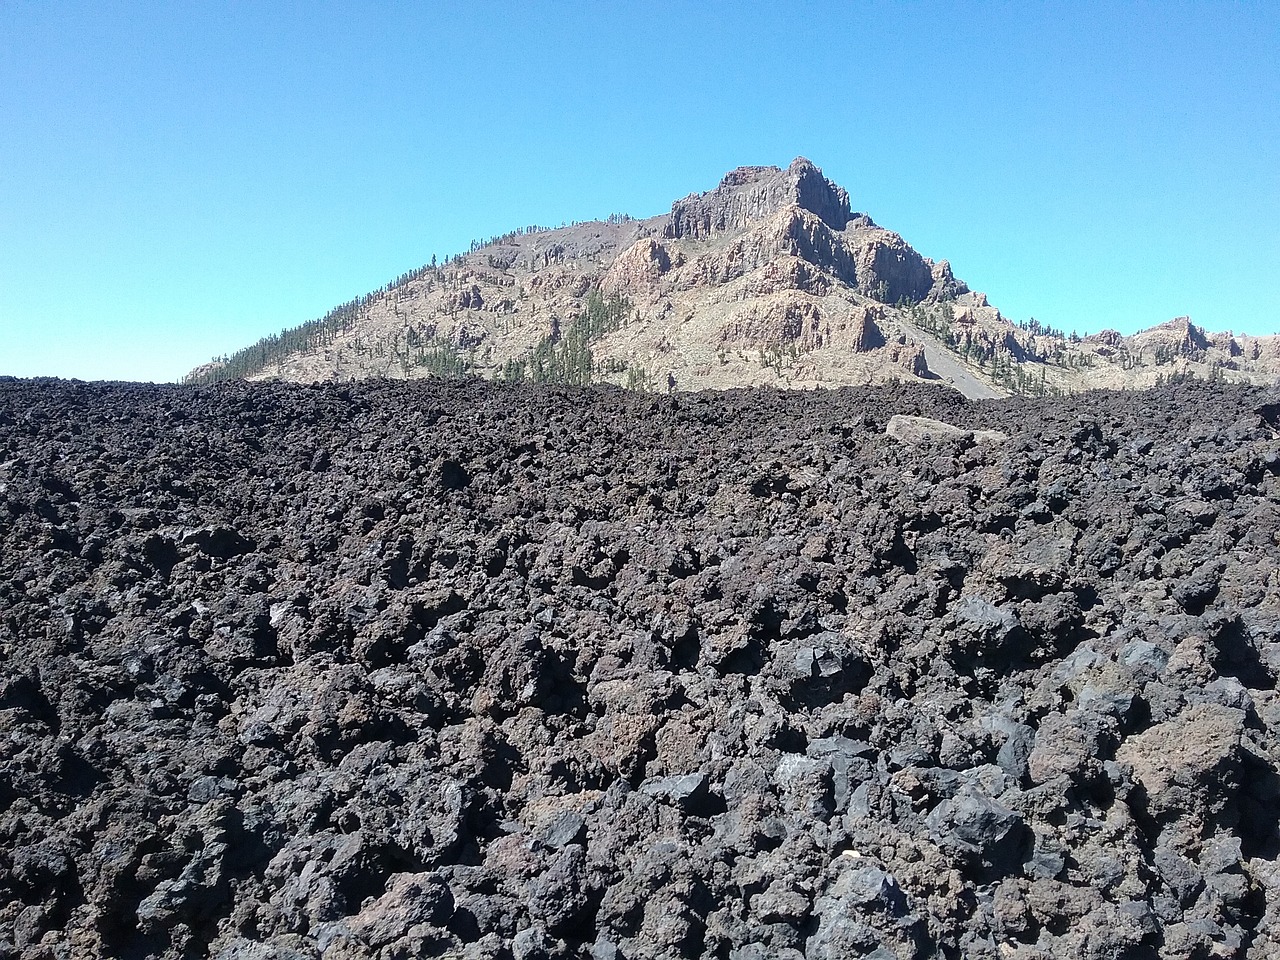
pixel 791 321
pixel 801 323
pixel 788 273
pixel 790 234
pixel 1177 337
pixel 750 194
pixel 874 262
pixel 945 286
pixel 909 357
pixel 818 195
pixel 924 430
pixel 637 269
pixel 1107 338
pixel 861 332
pixel 798 213
pixel 887 269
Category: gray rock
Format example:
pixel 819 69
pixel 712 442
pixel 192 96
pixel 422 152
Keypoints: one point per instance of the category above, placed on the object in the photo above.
pixel 531 943
pixel 985 619
pixel 1144 658
pixel 868 884
pixel 1047 860
pixel 974 826
pixel 686 790
pixel 218 541
pixel 242 949
pixel 1019 739
pixel 605 950
pixel 805 785
pixel 564 828
pixel 1075 665
pixel 849 765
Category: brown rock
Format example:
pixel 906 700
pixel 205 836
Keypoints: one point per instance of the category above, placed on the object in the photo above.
pixel 1189 762
pixel 638 268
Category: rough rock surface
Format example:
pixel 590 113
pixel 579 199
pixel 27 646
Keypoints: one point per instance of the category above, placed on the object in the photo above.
pixel 462 670
pixel 748 194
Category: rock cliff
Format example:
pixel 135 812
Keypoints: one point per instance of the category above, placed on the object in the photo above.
pixel 748 195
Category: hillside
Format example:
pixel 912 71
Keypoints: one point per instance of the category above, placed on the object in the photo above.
pixel 769 279
pixel 384 670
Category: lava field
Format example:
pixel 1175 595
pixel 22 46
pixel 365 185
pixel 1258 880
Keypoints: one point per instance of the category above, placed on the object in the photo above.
pixel 453 669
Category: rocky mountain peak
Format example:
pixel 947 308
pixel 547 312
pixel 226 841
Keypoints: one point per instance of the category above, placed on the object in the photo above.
pixel 741 176
pixel 818 195
pixel 1194 337
pixel 749 194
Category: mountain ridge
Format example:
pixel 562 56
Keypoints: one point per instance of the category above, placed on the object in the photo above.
pixel 770 278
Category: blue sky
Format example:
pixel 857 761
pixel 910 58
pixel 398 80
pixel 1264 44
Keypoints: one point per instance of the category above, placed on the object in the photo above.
pixel 177 180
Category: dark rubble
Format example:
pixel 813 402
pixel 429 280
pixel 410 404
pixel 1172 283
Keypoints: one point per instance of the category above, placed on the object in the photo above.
pixel 464 670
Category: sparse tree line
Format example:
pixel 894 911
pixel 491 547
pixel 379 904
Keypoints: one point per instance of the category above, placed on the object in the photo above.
pixel 314 334
pixel 779 354
pixel 1215 375
pixel 564 355
pixel 614 219
pixel 1038 329
pixel 324 331
pixel 308 336
pixel 509 237
pixel 1005 360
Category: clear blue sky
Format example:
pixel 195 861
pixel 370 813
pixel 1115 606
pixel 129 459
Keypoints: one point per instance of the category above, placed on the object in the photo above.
pixel 177 180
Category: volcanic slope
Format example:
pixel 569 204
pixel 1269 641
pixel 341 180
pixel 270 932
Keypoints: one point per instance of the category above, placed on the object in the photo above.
pixel 769 279
pixel 472 670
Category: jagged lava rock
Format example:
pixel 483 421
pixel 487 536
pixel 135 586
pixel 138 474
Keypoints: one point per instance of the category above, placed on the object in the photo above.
pixel 457 669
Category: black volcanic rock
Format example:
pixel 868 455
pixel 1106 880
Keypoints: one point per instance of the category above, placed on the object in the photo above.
pixel 454 669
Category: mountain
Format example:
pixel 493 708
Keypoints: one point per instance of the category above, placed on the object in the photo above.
pixel 769 279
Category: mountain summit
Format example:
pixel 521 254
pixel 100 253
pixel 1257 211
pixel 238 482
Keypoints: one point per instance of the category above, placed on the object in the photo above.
pixel 749 193
pixel 771 278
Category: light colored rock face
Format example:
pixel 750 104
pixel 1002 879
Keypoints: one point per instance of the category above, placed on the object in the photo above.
pixel 1184 762
pixel 638 269
pixel 769 279
pixel 921 430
